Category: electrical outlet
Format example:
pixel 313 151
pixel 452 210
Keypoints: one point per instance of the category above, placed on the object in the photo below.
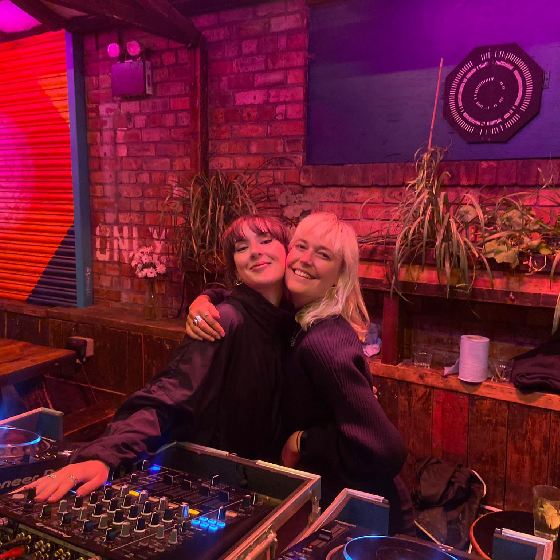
pixel 81 345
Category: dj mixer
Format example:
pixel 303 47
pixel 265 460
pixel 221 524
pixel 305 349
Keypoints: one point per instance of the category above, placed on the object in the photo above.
pixel 188 503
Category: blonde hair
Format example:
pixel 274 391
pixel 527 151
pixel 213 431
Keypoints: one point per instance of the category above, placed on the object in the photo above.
pixel 345 298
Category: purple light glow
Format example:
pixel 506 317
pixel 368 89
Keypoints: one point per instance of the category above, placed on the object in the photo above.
pixel 13 19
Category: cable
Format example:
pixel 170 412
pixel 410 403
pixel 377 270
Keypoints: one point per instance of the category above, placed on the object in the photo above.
pixel 13 553
pixel 14 542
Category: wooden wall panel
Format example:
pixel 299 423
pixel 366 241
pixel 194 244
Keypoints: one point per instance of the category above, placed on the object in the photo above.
pixel 27 328
pixel 135 360
pixel 111 371
pixel 415 425
pixel 528 445
pixel 388 395
pixel 488 424
pixel 450 426
pixel 554 455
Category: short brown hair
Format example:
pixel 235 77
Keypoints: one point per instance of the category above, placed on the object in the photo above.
pixel 235 233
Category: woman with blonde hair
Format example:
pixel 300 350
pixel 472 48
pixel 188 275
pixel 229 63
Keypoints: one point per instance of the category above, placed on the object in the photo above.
pixel 337 427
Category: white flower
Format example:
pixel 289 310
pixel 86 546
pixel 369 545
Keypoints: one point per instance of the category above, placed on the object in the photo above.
pixel 161 268
pixel 151 273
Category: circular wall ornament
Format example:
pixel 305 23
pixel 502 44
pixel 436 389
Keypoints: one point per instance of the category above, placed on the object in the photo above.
pixel 493 93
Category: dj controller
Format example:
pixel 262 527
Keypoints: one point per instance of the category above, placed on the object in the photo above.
pixel 189 503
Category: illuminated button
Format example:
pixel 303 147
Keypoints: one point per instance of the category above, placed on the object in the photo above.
pixel 212 522
pixel 204 524
pixel 220 524
pixel 155 468
pixel 195 522
pixel 212 528
pixel 204 519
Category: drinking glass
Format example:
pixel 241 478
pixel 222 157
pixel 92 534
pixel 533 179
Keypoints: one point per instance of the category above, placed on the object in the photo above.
pixel 546 511
pixel 422 357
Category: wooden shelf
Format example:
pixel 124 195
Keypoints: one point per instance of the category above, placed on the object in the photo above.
pixel 405 371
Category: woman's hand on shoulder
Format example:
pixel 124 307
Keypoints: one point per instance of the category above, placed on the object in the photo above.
pixel 86 476
pixel 290 453
pixel 202 320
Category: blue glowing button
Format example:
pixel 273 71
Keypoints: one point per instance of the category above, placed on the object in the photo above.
pixel 203 519
pixel 155 468
pixel 195 522
pixel 212 528
pixel 212 522
pixel 221 524
pixel 203 525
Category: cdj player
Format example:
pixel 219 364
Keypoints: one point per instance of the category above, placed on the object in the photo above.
pixel 188 503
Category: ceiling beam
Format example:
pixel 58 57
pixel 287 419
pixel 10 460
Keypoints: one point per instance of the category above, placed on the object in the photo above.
pixel 83 25
pixel 134 15
pixel 190 8
pixel 43 14
pixel 7 37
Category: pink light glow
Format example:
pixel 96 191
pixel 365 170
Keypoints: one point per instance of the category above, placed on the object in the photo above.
pixel 13 19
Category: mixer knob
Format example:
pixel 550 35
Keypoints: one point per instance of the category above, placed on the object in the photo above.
pixel 118 517
pixel 125 529
pixel 108 494
pixel 140 525
pixel 104 521
pixel 162 504
pixel 133 513
pixel 88 526
pixel 127 501
pixel 148 506
pixel 98 509
pixel 168 515
pixel 204 490
pixel 173 537
pixel 246 501
pixel 111 535
pixel 67 518
pixel 186 484
pixel 62 506
pixel 83 514
pixel 183 510
pixel 114 504
pixel 168 478
pixel 93 498
pixel 78 502
pixel 160 532
pixel 31 493
pixel 154 521
pixel 223 496
pixel 184 527
pixel 134 478
pixel 143 497
pixel 215 480
pixel 123 491
pixel 222 513
pixel 28 506
pixel 144 465
pixel 46 511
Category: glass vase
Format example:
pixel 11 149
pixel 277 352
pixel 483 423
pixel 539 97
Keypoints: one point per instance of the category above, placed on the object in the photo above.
pixel 152 302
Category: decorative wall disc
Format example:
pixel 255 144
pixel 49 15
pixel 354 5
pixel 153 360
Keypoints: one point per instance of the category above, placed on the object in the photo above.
pixel 492 93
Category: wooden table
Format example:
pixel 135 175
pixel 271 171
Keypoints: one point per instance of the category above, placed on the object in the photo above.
pixel 23 367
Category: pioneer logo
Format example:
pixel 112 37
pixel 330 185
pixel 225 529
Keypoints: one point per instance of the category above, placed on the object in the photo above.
pixel 23 481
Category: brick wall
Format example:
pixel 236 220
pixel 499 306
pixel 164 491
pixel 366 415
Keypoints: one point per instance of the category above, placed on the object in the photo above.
pixel 257 115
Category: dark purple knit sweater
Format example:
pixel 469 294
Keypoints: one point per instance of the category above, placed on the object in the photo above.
pixel 348 439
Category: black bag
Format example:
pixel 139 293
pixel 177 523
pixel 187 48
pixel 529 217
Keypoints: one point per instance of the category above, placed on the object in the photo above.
pixel 446 500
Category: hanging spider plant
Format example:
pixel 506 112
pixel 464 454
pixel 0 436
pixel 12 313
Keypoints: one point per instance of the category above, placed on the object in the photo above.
pixel 200 213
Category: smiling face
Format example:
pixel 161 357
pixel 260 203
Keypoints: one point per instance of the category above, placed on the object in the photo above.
pixel 260 262
pixel 312 267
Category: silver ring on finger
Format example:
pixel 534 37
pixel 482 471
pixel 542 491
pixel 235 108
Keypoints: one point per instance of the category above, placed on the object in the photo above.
pixel 74 480
pixel 197 320
pixel 51 475
pixel 206 314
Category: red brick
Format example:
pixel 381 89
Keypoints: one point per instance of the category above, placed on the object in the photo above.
pixel 140 121
pixel 249 46
pixel 220 132
pixel 216 34
pixel 266 113
pixel 160 75
pixel 170 89
pixel 255 28
pixel 254 97
pixel 110 164
pixel 180 103
pixel 155 134
pixel 507 172
pixel 468 173
pixel 270 78
pixel 323 175
pixel 285 94
pixel 168 58
pixel 154 105
pixel 296 76
pixel 249 130
pixel 297 41
pixel 266 146
pixel 527 172
pixel 294 128
pixel 295 110
pixel 122 150
pixel 179 73
pixel 220 68
pixel 221 163
pixel 131 163
pixel 156 164
pixel 180 134
pixel 231 48
pixel 249 64
pixel 357 175
pixel 141 150
pixel 170 149
pixel 488 173
pixel 294 145
pixel 326 194
pixel 168 120
pixel 452 168
pixel 206 20
pixel 271 8
pixel 239 14
pixel 155 119
pixel 267 44
pixel 395 173
pixel 410 172
pixel 343 211
pixel 287 60
pixel 282 42
pixel 181 164
pixel 130 191
pixel 241 81
pixel 284 23
pixel 249 162
pixel 183 119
